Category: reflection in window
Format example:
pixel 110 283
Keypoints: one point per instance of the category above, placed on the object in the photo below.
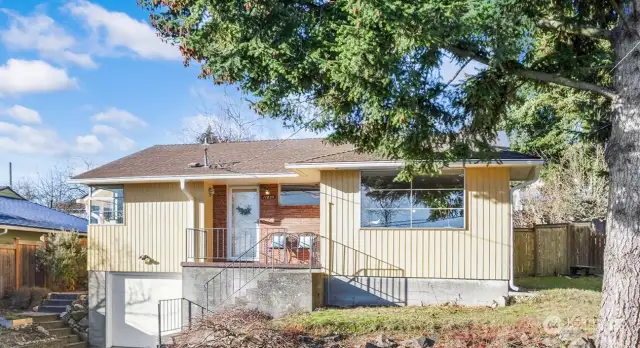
pixel 426 202
pixel 300 194
pixel 107 205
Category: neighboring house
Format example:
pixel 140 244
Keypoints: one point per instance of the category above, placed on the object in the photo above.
pixel 26 220
pixel 6 191
pixel 289 225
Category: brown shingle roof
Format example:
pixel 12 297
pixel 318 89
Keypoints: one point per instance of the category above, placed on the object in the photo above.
pixel 264 156
pixel 245 157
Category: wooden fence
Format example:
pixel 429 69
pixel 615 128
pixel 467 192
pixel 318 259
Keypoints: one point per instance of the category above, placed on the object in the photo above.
pixel 554 249
pixel 18 266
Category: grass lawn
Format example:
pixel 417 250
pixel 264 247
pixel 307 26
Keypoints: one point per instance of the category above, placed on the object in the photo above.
pixel 542 283
pixel 572 303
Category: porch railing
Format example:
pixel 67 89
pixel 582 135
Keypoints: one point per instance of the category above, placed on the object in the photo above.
pixel 274 250
pixel 251 245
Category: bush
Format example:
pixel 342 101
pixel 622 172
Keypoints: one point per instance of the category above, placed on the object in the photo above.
pixel 27 298
pixel 64 257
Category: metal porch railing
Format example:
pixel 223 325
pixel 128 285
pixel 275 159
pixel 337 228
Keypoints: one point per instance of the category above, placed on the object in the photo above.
pixel 278 249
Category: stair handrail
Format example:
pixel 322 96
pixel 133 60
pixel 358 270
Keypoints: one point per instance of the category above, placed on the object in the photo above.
pixel 259 266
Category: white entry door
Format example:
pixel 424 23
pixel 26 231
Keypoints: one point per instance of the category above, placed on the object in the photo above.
pixel 133 302
pixel 244 222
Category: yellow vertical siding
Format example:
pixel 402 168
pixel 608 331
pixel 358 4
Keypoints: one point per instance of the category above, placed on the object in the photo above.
pixel 480 251
pixel 156 216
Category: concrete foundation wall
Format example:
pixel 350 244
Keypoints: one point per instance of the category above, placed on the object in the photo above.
pixel 385 291
pixel 97 308
pixel 276 292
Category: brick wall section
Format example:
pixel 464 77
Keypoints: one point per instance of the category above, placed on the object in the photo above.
pixel 296 219
pixel 220 221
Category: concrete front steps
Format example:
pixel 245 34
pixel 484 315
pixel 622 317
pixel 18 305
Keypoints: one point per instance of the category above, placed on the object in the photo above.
pixel 58 302
pixel 57 328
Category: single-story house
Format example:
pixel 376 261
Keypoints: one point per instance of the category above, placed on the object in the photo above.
pixel 284 225
pixel 20 218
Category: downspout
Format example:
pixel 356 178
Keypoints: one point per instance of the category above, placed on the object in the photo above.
pixel 6 230
pixel 191 217
pixel 536 175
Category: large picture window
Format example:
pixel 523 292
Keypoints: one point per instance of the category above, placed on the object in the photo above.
pixel 425 202
pixel 107 205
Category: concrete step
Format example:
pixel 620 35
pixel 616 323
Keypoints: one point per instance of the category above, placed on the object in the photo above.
pixel 65 296
pixel 52 309
pixel 69 339
pixel 58 324
pixel 57 302
pixel 77 345
pixel 44 318
pixel 65 331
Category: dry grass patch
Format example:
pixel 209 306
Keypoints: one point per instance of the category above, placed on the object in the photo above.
pixel 575 308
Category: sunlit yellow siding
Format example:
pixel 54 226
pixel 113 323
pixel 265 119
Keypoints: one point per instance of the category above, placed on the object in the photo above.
pixel 156 216
pixel 480 251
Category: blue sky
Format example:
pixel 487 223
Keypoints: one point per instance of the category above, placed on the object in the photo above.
pixel 89 81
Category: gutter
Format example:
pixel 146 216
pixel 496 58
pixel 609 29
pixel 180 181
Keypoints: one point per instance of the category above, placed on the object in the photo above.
pixel 536 175
pixel 395 164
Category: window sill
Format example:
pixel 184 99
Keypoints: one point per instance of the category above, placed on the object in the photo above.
pixel 428 229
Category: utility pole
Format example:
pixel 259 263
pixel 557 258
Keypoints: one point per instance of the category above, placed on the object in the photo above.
pixel 10 176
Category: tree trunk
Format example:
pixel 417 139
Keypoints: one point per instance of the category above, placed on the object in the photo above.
pixel 619 324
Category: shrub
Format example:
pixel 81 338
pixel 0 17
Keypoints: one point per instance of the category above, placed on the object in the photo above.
pixel 64 257
pixel 27 298
pixel 21 298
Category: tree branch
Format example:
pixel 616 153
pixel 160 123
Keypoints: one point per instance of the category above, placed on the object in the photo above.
pixel 540 76
pixel 575 29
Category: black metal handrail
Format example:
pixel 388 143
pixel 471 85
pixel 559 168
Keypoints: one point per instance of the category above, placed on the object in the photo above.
pixel 175 315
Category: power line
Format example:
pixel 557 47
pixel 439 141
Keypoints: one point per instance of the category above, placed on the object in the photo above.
pixel 625 56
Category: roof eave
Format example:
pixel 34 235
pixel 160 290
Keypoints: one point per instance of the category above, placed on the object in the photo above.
pixel 397 164
pixel 177 178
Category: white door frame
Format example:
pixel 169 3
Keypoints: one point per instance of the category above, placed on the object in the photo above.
pixel 230 221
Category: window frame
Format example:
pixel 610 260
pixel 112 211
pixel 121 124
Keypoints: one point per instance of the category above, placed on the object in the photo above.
pixel 101 187
pixel 296 205
pixel 464 206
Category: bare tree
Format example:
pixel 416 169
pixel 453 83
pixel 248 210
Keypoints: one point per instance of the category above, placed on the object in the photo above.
pixel 574 190
pixel 226 125
pixel 52 188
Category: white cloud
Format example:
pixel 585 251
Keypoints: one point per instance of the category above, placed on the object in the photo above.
pixel 122 118
pixel 88 144
pixel 122 142
pixel 16 139
pixel 30 140
pixel 22 114
pixel 32 76
pixel 40 33
pixel 118 31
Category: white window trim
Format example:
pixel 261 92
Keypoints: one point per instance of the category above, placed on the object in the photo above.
pixel 295 205
pixel 124 204
pixel 464 208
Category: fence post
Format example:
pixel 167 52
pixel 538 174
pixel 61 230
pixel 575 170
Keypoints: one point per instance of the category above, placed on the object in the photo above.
pixel 189 314
pixel 18 263
pixel 535 250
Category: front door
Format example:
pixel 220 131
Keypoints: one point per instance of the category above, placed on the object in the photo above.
pixel 244 224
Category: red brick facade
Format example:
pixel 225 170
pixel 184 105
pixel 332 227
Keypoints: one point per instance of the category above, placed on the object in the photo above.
pixel 295 219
